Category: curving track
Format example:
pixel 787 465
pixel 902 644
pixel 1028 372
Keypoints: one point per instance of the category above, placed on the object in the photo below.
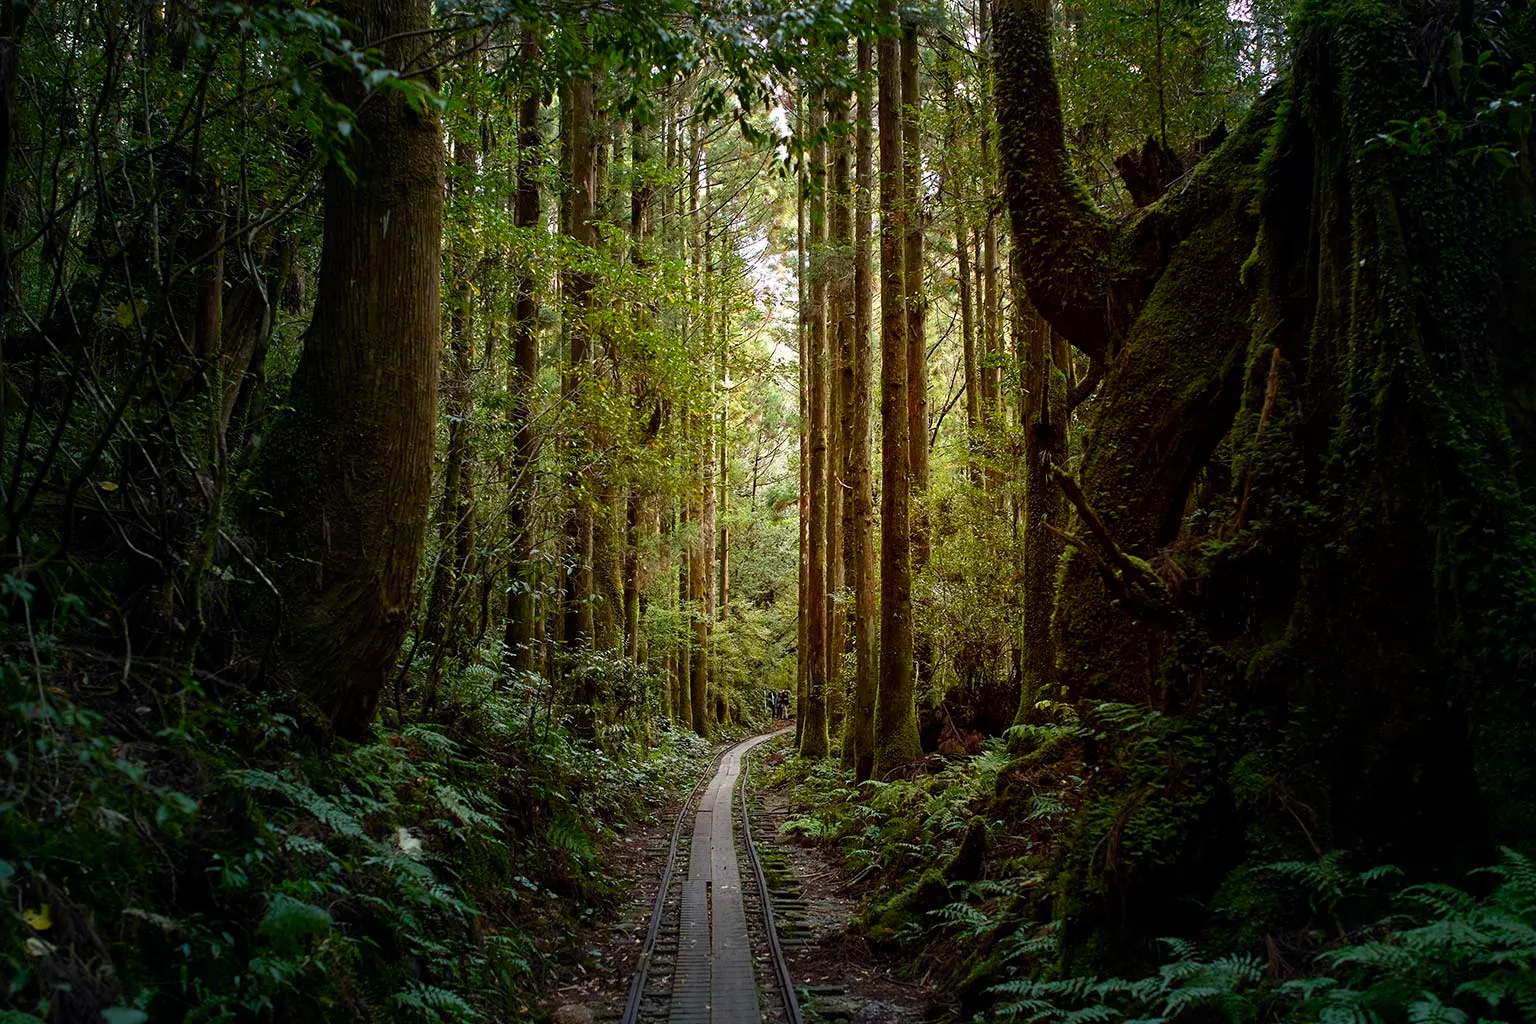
pixel 696 964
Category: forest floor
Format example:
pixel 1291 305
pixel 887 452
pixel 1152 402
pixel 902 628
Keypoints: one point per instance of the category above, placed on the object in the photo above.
pixel 839 978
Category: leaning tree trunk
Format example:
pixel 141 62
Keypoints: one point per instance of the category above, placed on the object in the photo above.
pixel 1360 606
pixel 347 471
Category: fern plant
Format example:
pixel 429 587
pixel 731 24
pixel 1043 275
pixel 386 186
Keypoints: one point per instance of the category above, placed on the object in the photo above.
pixel 1445 956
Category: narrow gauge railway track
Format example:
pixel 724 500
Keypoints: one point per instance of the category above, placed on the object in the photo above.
pixel 696 961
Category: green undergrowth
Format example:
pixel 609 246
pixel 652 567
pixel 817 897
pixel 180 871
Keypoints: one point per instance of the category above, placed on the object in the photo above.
pixel 1441 955
pixel 171 851
pixel 976 870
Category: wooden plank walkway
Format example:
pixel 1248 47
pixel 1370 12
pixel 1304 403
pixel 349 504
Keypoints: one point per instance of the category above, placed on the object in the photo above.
pixel 714 982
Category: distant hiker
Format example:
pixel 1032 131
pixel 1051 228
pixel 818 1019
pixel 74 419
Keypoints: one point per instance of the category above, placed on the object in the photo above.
pixel 772 700
pixel 783 703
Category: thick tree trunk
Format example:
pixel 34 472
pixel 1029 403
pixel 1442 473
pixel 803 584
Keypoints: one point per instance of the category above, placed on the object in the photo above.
pixel 348 469
pixel 896 741
pixel 859 526
pixel 1322 611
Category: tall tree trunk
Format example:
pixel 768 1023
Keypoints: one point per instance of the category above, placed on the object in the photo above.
pixel 803 310
pixel 967 311
pixel 698 584
pixel 348 469
pixel 1044 418
pixel 580 209
pixel 859 527
pixel 641 197
pixel 839 398
pixel 455 512
pixel 522 575
pixel 684 702
pixel 917 313
pixel 896 741
pixel 705 460
pixel 813 737
pixel 723 493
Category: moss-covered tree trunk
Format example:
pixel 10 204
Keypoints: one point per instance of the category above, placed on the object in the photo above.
pixel 1343 318
pixel 840 327
pixel 813 735
pixel 859 526
pixel 896 741
pixel 347 471
pixel 1044 421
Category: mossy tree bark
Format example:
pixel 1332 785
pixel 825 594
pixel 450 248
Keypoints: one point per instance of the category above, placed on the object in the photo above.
pixel 348 468
pixel 896 741
pixel 1044 419
pixel 804 352
pixel 840 327
pixel 813 736
pixel 453 567
pixel 859 527
pixel 1356 362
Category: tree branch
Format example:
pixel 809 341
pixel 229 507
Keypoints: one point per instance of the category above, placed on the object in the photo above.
pixel 1138 587
pixel 1064 237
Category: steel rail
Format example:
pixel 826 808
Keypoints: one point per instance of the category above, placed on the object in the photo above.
pixel 780 965
pixel 648 949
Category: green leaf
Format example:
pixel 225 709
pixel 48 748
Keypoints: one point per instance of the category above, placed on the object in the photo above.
pixel 290 923
pixel 130 312
pixel 123 1015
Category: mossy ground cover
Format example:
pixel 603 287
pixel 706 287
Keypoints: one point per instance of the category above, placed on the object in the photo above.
pixel 983 864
